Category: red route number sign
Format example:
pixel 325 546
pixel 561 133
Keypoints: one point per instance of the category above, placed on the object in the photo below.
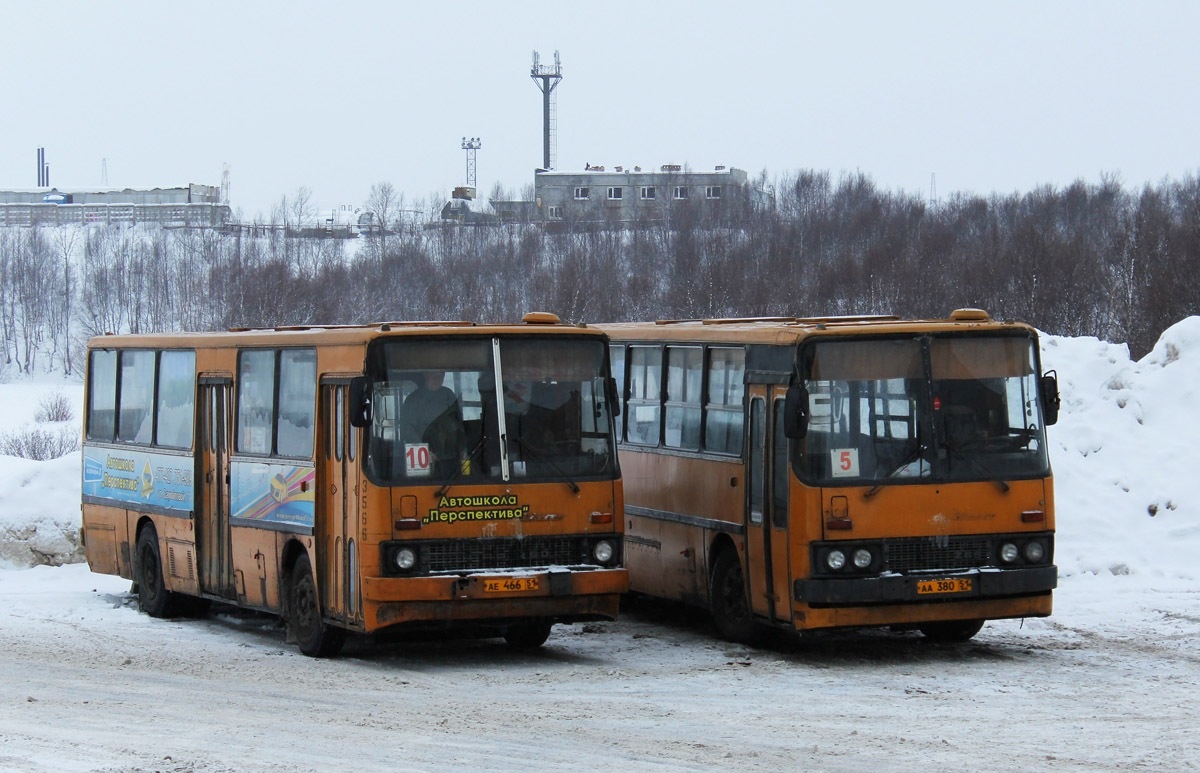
pixel 417 460
pixel 844 462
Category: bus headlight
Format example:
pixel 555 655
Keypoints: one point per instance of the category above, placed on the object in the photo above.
pixel 405 559
pixel 603 551
pixel 1009 552
pixel 862 558
pixel 1034 552
pixel 835 560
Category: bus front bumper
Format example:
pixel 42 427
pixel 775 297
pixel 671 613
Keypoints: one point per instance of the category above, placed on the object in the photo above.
pixel 975 584
pixel 563 594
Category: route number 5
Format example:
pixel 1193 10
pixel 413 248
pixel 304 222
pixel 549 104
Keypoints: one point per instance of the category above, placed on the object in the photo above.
pixel 844 462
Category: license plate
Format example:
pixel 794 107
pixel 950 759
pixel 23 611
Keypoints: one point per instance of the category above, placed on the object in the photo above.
pixel 950 585
pixel 511 585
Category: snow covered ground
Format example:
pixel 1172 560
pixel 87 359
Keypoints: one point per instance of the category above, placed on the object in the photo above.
pixel 1109 682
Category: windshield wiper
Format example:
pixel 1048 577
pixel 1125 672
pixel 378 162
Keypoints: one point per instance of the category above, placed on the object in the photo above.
pixel 958 453
pixel 908 459
pixel 549 463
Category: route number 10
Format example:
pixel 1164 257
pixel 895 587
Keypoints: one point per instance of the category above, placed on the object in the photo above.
pixel 417 460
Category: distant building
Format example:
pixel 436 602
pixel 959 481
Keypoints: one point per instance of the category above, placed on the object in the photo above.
pixel 623 194
pixel 461 211
pixel 515 211
pixel 192 206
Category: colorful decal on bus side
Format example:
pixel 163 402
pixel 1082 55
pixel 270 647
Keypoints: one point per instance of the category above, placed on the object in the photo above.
pixel 273 493
pixel 139 478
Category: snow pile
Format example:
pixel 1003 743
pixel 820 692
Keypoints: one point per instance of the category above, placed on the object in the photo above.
pixel 1123 456
pixel 39 501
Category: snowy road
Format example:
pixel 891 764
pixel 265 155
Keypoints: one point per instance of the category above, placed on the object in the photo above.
pixel 89 683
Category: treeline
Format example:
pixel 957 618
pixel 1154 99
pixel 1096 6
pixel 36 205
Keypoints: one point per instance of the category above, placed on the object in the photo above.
pixel 1088 259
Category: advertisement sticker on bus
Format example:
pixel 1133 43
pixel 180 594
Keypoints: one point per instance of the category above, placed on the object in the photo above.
pixel 273 493
pixel 504 507
pixel 139 477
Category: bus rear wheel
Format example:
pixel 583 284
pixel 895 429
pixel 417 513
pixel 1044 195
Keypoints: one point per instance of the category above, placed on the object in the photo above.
pixel 153 596
pixel 951 630
pixel 727 600
pixel 312 635
pixel 528 634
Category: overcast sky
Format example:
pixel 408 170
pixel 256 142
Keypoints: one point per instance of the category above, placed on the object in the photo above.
pixel 335 96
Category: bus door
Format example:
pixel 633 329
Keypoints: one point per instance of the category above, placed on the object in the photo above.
pixel 212 496
pixel 337 546
pixel 767 479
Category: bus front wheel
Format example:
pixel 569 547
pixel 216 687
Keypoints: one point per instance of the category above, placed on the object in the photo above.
pixel 153 596
pixel 528 634
pixel 951 630
pixel 312 635
pixel 727 600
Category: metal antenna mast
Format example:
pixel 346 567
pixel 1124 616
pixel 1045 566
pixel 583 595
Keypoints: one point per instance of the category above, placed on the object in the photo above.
pixel 547 78
pixel 471 146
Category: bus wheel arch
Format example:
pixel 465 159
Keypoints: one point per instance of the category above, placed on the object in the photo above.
pixel 302 610
pixel 153 597
pixel 728 600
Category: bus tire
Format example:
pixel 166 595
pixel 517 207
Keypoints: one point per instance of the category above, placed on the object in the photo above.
pixel 728 603
pixel 528 634
pixel 153 597
pixel 950 630
pixel 314 637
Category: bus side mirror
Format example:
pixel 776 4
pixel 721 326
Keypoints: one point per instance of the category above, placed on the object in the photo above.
pixel 795 412
pixel 360 401
pixel 614 399
pixel 1050 397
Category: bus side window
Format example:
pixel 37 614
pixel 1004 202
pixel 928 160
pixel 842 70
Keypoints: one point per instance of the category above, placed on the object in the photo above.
pixel 102 396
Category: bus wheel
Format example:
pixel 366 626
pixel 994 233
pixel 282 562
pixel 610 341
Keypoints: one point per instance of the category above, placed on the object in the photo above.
pixel 527 634
pixel 314 637
pixel 730 610
pixel 950 630
pixel 153 596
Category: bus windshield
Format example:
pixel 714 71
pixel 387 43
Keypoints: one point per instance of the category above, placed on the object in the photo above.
pixel 922 409
pixel 438 416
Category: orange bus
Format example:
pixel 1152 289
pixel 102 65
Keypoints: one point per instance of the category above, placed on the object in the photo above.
pixel 360 478
pixel 817 473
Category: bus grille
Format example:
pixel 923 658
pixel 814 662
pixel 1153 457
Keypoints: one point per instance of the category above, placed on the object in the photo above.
pixel 506 553
pixel 915 554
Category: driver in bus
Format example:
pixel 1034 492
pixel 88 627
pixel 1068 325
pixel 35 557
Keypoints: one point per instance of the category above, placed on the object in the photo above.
pixel 433 416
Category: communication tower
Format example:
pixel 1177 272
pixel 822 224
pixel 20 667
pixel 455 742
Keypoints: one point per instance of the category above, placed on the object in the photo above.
pixel 471 145
pixel 547 77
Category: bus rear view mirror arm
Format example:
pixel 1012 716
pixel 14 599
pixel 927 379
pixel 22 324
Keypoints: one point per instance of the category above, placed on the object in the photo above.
pixel 360 401
pixel 795 419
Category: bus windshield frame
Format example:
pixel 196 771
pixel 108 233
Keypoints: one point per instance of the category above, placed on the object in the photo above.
pixel 919 409
pixel 437 416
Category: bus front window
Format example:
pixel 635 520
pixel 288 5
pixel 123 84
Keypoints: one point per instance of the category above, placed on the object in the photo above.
pixel 916 409
pixel 437 415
